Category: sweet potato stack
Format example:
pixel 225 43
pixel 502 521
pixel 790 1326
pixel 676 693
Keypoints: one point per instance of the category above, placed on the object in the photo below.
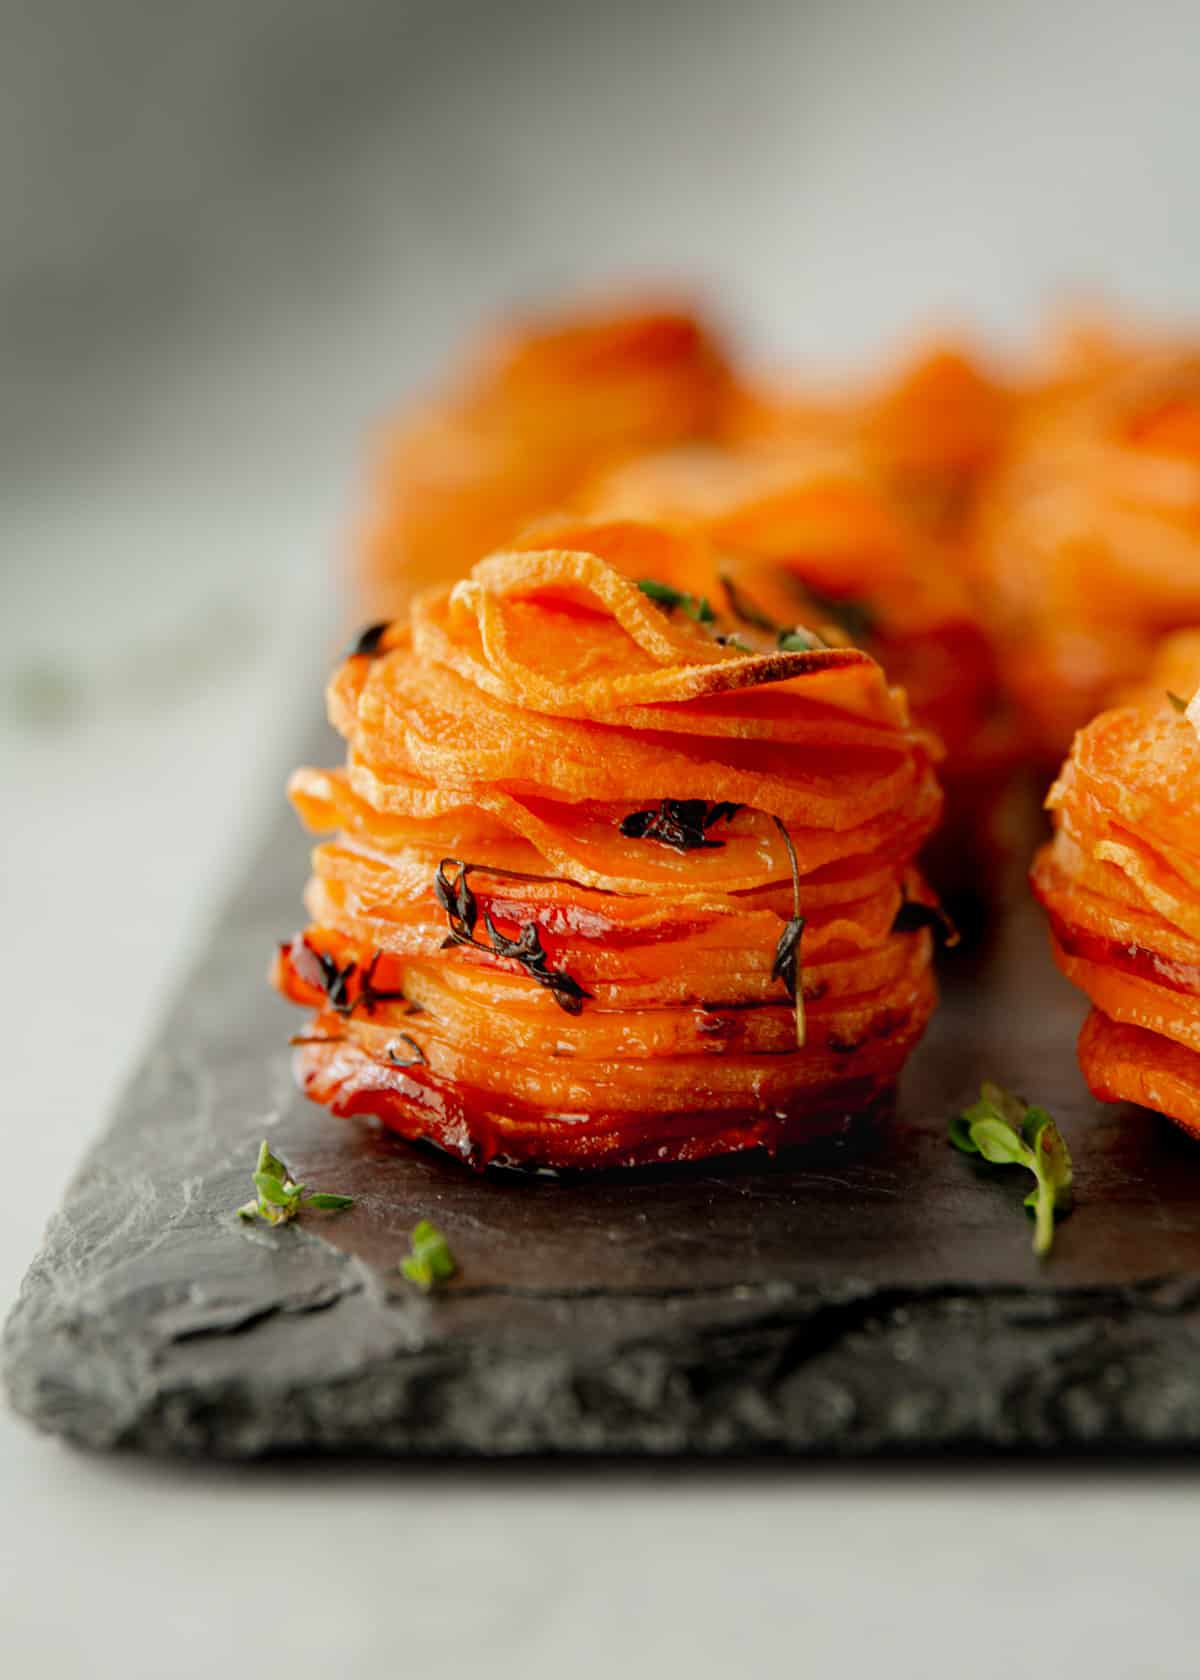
pixel 811 530
pixel 534 410
pixel 1120 883
pixel 1087 542
pixel 607 887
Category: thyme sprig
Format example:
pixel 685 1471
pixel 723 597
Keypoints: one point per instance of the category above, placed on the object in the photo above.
pixel 665 596
pixel 320 969
pixel 280 1198
pixel 462 912
pixel 787 965
pixel 682 824
pixel 429 1260
pixel 915 913
pixel 1009 1132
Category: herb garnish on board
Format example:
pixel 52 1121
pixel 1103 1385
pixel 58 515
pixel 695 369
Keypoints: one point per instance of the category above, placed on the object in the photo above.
pixel 462 912
pixel 430 1260
pixel 1009 1132
pixel 279 1197
pixel 682 824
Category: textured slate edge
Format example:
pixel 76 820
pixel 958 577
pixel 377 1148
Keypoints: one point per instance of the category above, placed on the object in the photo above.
pixel 877 1371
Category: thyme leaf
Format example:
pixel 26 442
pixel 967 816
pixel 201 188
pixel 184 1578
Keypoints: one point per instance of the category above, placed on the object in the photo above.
pixel 800 640
pixel 915 914
pixel 462 911
pixel 318 968
pixel 682 824
pixel 664 596
pixel 367 641
pixel 1179 703
pixel 429 1260
pixel 280 1198
pixel 1009 1132
pixel 787 963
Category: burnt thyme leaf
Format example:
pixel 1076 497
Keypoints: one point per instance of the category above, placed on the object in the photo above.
pixel 787 966
pixel 914 915
pixel 462 911
pixel 527 949
pixel 367 641
pixel 1177 700
pixel 664 596
pixel 679 823
pixel 319 969
pixel 369 994
pixel 456 898
pixel 394 1056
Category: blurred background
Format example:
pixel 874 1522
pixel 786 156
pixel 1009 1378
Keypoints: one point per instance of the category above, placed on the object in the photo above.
pixel 236 233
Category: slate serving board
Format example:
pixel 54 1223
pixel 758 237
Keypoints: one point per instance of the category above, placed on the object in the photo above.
pixel 875 1296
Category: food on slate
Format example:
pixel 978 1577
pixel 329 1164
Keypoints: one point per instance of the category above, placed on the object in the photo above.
pixel 1120 883
pixel 616 877
pixel 534 411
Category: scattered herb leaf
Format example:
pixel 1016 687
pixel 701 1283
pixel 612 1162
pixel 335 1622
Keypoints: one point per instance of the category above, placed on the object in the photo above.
pixel 733 642
pixel 787 963
pixel 1177 701
pixel 430 1260
pixel 682 824
pixel 279 1197
pixel 1009 1132
pixel 663 595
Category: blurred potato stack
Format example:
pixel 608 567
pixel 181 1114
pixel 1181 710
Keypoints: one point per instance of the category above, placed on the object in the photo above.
pixel 1087 541
pixel 533 411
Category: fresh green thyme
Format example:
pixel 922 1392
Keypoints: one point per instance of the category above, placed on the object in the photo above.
pixel 279 1197
pixel 430 1260
pixel 1009 1132
pixel 663 595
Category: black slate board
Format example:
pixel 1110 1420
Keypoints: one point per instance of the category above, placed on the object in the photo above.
pixel 877 1295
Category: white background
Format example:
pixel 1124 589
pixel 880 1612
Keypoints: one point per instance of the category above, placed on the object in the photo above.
pixel 233 233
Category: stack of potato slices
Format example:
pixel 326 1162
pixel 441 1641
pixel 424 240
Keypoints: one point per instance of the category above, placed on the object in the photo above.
pixel 1120 883
pixel 615 880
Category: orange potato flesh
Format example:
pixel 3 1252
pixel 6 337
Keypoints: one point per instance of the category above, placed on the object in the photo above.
pixel 516 724
pixel 1120 882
